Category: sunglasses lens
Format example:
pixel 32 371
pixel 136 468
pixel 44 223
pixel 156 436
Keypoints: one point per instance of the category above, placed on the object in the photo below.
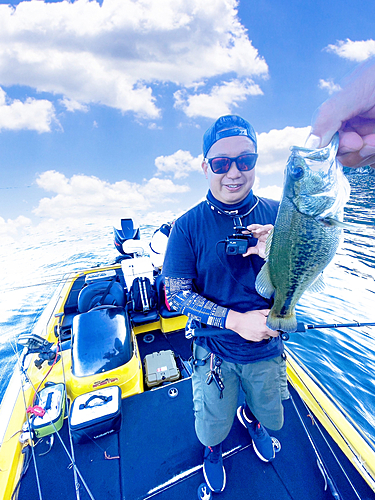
pixel 246 162
pixel 243 162
pixel 220 165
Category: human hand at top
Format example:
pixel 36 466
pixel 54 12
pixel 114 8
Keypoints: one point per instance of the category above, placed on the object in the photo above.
pixel 351 112
pixel 261 233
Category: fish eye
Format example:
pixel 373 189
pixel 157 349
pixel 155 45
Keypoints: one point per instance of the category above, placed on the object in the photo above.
pixel 296 172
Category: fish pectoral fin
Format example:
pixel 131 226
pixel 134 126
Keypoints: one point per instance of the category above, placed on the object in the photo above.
pixel 268 243
pixel 263 283
pixel 318 284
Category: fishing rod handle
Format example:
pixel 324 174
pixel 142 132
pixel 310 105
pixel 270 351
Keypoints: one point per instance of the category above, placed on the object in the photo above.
pixel 216 332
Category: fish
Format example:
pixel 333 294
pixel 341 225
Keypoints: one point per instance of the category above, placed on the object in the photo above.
pixel 307 231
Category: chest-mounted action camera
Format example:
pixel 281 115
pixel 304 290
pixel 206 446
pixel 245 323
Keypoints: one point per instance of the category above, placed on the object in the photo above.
pixel 238 243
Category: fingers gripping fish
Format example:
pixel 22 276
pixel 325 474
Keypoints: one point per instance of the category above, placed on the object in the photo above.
pixel 306 233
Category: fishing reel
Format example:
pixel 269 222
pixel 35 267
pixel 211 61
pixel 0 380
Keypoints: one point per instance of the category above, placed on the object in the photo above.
pixel 36 344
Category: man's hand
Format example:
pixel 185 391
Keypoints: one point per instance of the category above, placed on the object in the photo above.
pixel 351 112
pixel 261 233
pixel 250 325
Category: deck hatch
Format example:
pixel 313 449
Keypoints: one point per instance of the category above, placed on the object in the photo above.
pixel 101 341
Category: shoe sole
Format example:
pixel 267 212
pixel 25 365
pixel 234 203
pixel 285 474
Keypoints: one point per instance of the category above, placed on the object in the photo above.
pixel 208 483
pixel 257 452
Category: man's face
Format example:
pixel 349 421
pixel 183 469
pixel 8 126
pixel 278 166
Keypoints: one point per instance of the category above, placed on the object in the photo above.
pixel 235 185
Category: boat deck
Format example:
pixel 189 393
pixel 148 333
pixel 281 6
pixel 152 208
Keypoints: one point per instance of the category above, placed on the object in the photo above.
pixel 156 453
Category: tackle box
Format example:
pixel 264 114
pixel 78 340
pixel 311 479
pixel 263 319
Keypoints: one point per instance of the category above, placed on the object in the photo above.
pixel 96 414
pixel 160 367
pixel 52 400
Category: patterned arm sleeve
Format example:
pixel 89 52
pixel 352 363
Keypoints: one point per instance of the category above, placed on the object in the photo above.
pixel 180 297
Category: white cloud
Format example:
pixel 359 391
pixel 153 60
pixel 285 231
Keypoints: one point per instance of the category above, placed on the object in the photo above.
pixel 9 228
pixel 273 192
pixel 180 164
pixel 73 105
pixel 33 114
pixel 274 148
pixel 220 101
pixel 329 85
pixel 354 51
pixel 112 54
pixel 84 197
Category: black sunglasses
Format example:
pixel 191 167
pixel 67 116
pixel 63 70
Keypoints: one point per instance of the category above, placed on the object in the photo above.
pixel 222 164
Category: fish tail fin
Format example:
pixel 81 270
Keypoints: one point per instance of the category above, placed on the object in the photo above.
pixel 263 283
pixel 287 323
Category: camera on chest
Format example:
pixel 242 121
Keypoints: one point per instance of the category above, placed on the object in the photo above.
pixel 238 243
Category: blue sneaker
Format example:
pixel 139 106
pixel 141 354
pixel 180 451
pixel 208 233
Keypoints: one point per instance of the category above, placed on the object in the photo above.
pixel 262 442
pixel 213 469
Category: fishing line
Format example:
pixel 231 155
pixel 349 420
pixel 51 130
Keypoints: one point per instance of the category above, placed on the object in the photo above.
pixel 179 478
pixel 29 427
pixel 281 480
pixel 75 469
pixel 71 457
pixel 322 467
pixel 333 453
pixel 57 281
pixel 337 430
pixel 227 267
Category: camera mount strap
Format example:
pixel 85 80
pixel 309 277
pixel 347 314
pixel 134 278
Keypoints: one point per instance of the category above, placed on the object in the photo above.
pixel 234 214
pixel 237 222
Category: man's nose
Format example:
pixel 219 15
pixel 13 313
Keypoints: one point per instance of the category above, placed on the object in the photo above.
pixel 233 172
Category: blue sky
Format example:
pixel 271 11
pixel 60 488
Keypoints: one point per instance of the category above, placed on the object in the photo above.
pixel 103 104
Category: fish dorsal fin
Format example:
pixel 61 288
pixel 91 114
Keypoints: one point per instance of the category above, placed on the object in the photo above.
pixel 263 283
pixel 318 284
pixel 268 243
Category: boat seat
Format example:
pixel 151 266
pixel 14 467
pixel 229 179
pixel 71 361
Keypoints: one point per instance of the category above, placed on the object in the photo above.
pixel 162 306
pixel 92 295
pixel 101 341
pixel 143 301
pixel 140 318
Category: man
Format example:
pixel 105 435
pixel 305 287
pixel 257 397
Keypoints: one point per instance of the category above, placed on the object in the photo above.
pixel 211 281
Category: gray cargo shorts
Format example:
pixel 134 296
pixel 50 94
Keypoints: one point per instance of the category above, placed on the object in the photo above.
pixel 264 384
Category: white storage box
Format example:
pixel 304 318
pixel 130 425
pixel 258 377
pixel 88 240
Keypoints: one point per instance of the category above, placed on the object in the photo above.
pixel 96 414
pixel 139 266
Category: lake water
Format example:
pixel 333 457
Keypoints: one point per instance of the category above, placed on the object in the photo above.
pixel 342 359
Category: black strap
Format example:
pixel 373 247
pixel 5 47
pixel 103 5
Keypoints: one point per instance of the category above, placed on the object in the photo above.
pixel 105 399
pixel 101 301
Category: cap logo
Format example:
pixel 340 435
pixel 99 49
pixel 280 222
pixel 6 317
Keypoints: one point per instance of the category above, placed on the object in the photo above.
pixel 230 132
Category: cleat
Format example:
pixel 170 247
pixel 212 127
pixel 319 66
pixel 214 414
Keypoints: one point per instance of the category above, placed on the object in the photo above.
pixel 262 442
pixel 204 492
pixel 213 469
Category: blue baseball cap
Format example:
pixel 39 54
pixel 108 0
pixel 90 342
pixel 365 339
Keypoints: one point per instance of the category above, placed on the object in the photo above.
pixel 227 126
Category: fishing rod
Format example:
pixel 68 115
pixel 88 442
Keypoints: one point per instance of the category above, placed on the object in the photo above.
pixel 301 327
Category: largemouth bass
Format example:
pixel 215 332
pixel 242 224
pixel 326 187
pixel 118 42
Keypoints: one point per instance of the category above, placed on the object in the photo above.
pixel 307 231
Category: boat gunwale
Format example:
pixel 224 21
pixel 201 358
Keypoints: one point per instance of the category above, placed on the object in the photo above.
pixel 333 418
